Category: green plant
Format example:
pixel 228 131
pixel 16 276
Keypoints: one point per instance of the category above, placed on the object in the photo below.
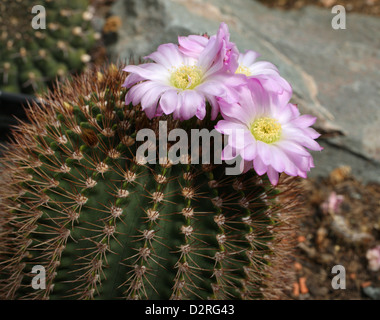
pixel 31 59
pixel 104 224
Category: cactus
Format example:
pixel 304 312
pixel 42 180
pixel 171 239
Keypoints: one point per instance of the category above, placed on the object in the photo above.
pixel 105 225
pixel 30 60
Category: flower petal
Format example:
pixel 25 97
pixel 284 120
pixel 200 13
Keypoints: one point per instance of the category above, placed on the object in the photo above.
pixel 259 166
pixel 228 127
pixel 167 55
pixel 229 153
pixel 192 45
pixel 150 71
pixel 264 151
pixel 249 152
pixel 192 102
pixel 248 57
pixel 272 175
pixel 169 101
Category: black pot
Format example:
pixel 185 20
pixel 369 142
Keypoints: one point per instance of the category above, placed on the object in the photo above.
pixel 11 106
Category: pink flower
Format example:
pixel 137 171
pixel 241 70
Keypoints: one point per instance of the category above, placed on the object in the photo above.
pixel 373 256
pixel 268 133
pixel 194 45
pixel 332 204
pixel 266 72
pixel 243 64
pixel 179 84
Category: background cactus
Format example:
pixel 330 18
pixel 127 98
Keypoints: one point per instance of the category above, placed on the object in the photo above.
pixel 31 59
pixel 105 225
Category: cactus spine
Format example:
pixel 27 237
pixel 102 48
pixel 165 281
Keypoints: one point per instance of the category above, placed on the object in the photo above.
pixel 105 225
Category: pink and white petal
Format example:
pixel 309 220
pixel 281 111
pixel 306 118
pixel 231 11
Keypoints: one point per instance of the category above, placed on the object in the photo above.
pixel 259 166
pixel 236 112
pixel 150 99
pixel 292 146
pixel 311 133
pixel 272 175
pixel 309 143
pixel 215 109
pixel 245 166
pixel 138 91
pixel 169 101
pixel 262 67
pixel 297 135
pixel 248 57
pixel 240 138
pixel 277 85
pixel 150 111
pixel 228 80
pixel 192 45
pixel 192 102
pixel 167 55
pixel 211 88
pixel 304 121
pixel 159 111
pixel 302 163
pixel 131 79
pixel 260 98
pixel 295 110
pixel 311 162
pixel 150 71
pixel 176 113
pixel 277 160
pixel 210 57
pixel 201 112
pixel 283 113
pixel 229 127
pixel 292 162
pixel 229 153
pixel 135 94
pixel 249 153
pixel 264 151
pixel 302 174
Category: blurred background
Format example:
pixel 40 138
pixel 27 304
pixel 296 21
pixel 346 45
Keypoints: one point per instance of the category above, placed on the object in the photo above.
pixel 329 54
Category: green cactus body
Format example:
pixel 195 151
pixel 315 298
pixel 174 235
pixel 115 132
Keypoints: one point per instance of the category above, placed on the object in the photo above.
pixel 69 36
pixel 106 225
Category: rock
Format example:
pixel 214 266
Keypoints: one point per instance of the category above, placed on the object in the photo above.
pixel 334 73
pixel 372 292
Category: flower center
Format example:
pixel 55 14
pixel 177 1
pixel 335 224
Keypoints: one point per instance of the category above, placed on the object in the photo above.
pixel 266 129
pixel 186 77
pixel 243 70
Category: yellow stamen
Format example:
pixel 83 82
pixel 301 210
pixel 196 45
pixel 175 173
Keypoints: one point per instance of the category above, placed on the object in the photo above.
pixel 243 70
pixel 266 129
pixel 186 77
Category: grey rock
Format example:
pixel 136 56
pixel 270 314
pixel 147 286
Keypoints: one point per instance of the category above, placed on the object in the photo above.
pixel 372 292
pixel 335 74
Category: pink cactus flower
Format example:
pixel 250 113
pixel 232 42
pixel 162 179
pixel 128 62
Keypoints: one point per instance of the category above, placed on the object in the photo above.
pixel 181 85
pixel 245 64
pixel 194 45
pixel 268 133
